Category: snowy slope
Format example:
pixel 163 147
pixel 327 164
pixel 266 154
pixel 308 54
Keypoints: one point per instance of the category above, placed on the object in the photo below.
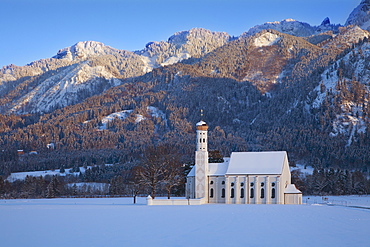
pixel 122 115
pixel 353 66
pixel 63 88
pixel 182 45
pixel 360 16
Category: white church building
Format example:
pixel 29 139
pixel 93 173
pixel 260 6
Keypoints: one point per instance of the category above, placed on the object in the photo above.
pixel 244 178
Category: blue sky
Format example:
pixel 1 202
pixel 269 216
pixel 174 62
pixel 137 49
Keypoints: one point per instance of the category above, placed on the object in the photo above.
pixel 36 29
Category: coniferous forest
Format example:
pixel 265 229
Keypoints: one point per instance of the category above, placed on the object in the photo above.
pixel 307 95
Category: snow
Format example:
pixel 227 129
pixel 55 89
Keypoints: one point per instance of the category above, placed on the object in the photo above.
pixel 117 222
pixel 176 59
pixel 218 169
pixel 291 189
pixel 256 162
pixel 305 170
pixel 22 175
pixel 266 39
pixel 122 115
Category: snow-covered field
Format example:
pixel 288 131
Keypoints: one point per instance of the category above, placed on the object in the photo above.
pixel 117 222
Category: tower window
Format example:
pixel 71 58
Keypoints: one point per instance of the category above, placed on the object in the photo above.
pixel 273 193
pixel 223 182
pixel 242 193
pixel 211 182
pixel 211 193
pixel 204 140
pixel 252 193
pixel 241 184
pixel 232 184
pixel 232 193
pixel 262 193
pixel 262 184
pixel 252 184
pixel 223 193
pixel 273 184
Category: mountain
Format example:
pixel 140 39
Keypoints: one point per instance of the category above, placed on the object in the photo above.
pixel 182 45
pixel 88 68
pixel 360 16
pixel 280 86
pixel 293 27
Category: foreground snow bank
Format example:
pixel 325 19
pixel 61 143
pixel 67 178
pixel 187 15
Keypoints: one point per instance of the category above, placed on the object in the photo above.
pixel 117 222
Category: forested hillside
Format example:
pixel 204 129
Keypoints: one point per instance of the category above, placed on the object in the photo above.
pixel 265 90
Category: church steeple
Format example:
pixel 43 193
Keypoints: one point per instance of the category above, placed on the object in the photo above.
pixel 201 161
pixel 202 136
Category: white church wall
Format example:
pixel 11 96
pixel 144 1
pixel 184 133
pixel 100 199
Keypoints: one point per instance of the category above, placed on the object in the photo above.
pixel 293 198
pixel 190 187
pixel 216 185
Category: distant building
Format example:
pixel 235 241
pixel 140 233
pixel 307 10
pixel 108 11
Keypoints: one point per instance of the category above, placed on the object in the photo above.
pixel 244 178
pixel 20 152
pixel 50 145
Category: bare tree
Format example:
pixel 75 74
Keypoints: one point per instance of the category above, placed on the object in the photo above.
pixel 160 165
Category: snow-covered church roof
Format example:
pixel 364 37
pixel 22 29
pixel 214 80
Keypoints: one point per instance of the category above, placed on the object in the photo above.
pixel 291 189
pixel 257 163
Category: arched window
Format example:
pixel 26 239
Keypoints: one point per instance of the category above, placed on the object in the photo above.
pixel 262 193
pixel 211 193
pixel 273 193
pixel 223 193
pixel 232 193
pixel 252 193
pixel 204 140
pixel 242 193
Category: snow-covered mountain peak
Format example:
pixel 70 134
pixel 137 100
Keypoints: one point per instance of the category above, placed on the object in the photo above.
pixel 83 50
pixel 293 27
pixel 183 37
pixel 288 26
pixel 195 42
pixel 360 16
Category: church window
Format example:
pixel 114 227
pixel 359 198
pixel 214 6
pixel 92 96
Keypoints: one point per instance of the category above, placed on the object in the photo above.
pixel 242 193
pixel 232 184
pixel 211 193
pixel 232 193
pixel 252 184
pixel 262 193
pixel 223 193
pixel 273 193
pixel 211 182
pixel 204 140
pixel 241 184
pixel 252 193
pixel 200 140
pixel 273 184
pixel 223 182
pixel 262 184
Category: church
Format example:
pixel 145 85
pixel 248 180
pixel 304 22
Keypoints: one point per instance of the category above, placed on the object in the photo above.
pixel 244 178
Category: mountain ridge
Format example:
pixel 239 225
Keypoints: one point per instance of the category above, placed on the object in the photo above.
pixel 264 90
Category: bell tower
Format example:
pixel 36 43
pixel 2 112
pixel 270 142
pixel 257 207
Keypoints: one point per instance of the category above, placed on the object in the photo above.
pixel 201 161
